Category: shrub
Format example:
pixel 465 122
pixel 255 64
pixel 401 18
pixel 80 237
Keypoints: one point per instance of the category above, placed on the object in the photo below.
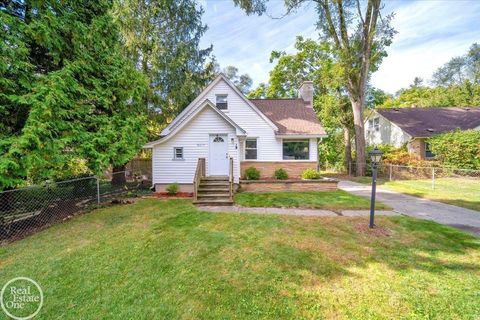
pixel 310 174
pixel 252 173
pixel 281 174
pixel 459 149
pixel 172 189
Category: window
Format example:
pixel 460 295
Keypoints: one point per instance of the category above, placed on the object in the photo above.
pixel 221 101
pixel 178 153
pixel 374 124
pixel 218 139
pixel 428 153
pixel 251 149
pixel 296 150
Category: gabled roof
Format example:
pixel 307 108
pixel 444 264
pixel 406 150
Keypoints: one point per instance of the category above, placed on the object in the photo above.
pixel 206 104
pixel 427 122
pixel 291 116
pixel 185 113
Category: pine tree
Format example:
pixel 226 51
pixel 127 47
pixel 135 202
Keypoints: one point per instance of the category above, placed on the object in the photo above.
pixel 80 97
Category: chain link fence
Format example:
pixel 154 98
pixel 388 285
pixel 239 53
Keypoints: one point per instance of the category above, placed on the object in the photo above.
pixel 27 210
pixel 451 185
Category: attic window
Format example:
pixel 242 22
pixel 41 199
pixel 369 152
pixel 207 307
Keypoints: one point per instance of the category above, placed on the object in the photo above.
pixel 221 101
pixel 374 124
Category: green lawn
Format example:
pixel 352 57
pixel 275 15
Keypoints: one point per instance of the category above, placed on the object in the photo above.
pixel 159 259
pixel 329 200
pixel 462 192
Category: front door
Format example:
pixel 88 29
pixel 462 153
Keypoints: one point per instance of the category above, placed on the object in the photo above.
pixel 218 157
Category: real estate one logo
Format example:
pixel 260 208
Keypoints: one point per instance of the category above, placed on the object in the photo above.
pixel 21 298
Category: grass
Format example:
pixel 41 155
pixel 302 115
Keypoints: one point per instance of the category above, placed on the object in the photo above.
pixel 462 192
pixel 165 260
pixel 328 200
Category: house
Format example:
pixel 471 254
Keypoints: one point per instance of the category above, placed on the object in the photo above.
pixel 226 133
pixel 412 126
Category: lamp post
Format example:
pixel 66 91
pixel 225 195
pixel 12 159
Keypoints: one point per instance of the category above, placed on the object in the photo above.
pixel 375 157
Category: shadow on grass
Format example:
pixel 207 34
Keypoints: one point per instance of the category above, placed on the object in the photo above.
pixel 326 247
pixel 196 264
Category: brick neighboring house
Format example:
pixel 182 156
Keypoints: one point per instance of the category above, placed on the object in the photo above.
pixel 397 126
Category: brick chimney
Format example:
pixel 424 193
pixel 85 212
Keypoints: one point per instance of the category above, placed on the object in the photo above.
pixel 306 92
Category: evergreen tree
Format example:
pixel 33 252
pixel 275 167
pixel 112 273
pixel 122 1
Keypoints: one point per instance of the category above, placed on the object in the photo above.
pixel 162 39
pixel 78 96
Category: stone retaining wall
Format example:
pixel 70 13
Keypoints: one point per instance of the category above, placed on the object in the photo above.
pixel 288 185
pixel 267 168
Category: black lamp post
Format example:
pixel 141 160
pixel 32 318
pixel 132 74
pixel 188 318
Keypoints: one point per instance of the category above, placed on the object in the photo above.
pixel 375 157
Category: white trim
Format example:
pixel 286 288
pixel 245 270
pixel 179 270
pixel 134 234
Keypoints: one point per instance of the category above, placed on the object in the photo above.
pixel 206 103
pixel 221 76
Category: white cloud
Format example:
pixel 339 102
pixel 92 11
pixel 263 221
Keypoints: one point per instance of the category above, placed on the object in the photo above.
pixel 430 33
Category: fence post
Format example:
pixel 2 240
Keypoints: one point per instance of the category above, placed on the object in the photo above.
pixel 98 190
pixel 390 173
pixel 433 178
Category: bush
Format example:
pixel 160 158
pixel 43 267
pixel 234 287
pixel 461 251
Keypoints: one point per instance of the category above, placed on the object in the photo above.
pixel 281 174
pixel 459 149
pixel 311 174
pixel 252 173
pixel 398 156
pixel 172 189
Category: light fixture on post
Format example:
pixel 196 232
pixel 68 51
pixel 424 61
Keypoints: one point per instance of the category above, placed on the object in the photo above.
pixel 375 157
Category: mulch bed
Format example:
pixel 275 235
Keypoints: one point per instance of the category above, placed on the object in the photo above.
pixel 178 195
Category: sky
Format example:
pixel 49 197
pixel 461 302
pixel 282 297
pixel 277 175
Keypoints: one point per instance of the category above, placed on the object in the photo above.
pixel 430 33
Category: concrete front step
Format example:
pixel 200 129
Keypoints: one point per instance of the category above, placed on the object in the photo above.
pixel 213 190
pixel 214 183
pixel 205 202
pixel 215 178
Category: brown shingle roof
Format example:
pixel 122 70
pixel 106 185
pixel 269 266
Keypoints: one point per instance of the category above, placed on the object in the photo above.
pixel 291 116
pixel 427 122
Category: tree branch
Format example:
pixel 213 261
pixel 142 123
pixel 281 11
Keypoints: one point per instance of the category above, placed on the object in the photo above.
pixel 331 25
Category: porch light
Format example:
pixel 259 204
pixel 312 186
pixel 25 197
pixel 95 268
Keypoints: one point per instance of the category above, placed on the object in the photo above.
pixel 375 156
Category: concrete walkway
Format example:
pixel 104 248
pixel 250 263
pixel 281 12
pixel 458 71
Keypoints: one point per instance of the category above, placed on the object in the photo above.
pixel 294 211
pixel 465 219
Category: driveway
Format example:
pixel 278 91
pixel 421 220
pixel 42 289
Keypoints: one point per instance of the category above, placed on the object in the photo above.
pixel 465 219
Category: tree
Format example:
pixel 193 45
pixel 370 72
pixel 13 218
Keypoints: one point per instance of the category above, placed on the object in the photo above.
pixel 417 83
pixel 315 62
pixel 459 69
pixel 162 39
pixel 79 96
pixel 260 92
pixel 242 81
pixel 358 36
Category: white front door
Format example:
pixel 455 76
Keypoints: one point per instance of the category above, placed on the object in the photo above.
pixel 218 157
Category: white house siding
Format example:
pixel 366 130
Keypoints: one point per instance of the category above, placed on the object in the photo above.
pixel 388 133
pixel 194 138
pixel 269 147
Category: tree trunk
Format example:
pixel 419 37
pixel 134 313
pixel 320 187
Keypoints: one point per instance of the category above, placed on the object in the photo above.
pixel 348 147
pixel 357 107
pixel 118 175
